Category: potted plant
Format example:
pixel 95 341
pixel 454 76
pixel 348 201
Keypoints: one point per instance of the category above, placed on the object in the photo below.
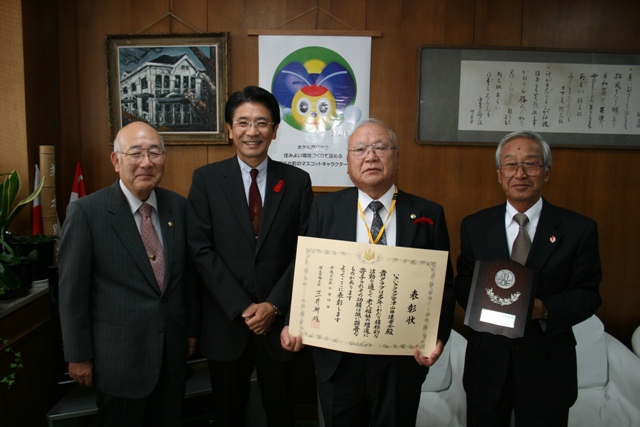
pixel 10 263
pixel 44 245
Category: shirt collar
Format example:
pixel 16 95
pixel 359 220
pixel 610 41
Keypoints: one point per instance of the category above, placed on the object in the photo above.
pixel 134 202
pixel 533 213
pixel 246 169
pixel 386 199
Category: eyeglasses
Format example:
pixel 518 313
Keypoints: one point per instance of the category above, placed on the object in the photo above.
pixel 259 125
pixel 379 150
pixel 136 155
pixel 528 168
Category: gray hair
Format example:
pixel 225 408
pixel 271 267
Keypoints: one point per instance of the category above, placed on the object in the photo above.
pixel 532 136
pixel 371 121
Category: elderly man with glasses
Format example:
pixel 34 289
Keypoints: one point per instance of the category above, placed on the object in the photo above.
pixel 128 292
pixel 376 390
pixel 535 376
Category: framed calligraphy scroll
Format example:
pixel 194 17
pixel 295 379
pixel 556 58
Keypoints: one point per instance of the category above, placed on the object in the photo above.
pixel 470 96
pixel 368 299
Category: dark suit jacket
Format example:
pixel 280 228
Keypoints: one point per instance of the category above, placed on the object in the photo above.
pixel 111 308
pixel 236 268
pixel 565 253
pixel 334 216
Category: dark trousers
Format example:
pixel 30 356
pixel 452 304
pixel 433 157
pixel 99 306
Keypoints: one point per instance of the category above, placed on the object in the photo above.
pixel 163 407
pixel 368 391
pixel 509 404
pixel 230 382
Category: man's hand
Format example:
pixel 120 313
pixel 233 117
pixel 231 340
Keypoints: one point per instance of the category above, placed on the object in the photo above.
pixel 289 342
pixel 82 372
pixel 433 358
pixel 191 346
pixel 259 317
pixel 539 310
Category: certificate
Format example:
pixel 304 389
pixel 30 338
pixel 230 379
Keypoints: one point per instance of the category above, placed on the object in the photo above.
pixel 501 298
pixel 368 299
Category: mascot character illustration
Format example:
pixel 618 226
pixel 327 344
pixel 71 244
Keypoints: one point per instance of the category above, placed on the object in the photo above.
pixel 315 88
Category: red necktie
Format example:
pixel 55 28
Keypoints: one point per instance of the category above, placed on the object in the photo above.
pixel 255 203
pixel 152 243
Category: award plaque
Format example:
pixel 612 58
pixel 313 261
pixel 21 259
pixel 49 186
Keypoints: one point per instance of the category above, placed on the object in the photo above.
pixel 501 298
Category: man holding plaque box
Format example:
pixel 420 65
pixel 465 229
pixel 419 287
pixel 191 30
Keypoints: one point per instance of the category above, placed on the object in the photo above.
pixel 533 376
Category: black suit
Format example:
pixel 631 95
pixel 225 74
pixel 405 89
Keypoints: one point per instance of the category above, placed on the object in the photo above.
pixel 111 308
pixel 237 269
pixel 334 216
pixel 540 368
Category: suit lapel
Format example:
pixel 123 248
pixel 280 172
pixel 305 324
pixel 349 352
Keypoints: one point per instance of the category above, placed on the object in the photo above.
pixel 346 227
pixel 233 189
pixel 405 230
pixel 547 237
pixel 497 246
pixel 272 199
pixel 125 228
pixel 167 220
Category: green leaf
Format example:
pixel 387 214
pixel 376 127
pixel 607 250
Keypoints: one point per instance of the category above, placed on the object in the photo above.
pixel 8 279
pixel 9 190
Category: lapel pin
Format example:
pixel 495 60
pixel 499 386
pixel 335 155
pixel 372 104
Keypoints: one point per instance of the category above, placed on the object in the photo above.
pixel 413 216
pixel 552 239
pixel 170 223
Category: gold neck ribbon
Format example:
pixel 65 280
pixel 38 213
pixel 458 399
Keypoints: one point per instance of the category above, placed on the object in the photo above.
pixel 381 232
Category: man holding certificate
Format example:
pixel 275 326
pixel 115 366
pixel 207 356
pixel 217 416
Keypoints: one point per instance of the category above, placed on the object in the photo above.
pixel 533 375
pixel 375 389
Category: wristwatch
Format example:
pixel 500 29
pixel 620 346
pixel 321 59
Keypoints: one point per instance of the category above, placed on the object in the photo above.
pixel 277 310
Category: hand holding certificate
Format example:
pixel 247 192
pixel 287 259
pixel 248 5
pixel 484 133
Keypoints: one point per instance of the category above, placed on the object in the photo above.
pixel 368 299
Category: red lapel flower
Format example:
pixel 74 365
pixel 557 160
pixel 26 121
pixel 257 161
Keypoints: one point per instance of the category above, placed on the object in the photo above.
pixel 423 219
pixel 278 187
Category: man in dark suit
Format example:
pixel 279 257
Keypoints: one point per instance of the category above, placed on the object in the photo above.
pixel 245 215
pixel 535 375
pixel 126 309
pixel 376 390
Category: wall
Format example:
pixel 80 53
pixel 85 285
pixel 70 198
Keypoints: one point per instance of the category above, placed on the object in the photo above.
pixel 13 138
pixel 599 183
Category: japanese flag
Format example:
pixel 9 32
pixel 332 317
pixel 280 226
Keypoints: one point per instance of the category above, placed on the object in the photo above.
pixel 77 189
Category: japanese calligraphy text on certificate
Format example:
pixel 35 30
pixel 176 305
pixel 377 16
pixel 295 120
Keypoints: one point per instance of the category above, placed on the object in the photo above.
pixel 368 299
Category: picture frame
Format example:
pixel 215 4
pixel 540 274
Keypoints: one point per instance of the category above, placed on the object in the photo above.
pixel 177 83
pixel 590 98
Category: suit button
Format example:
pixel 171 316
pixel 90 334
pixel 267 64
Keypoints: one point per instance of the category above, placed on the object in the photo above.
pixel 162 300
pixel 160 330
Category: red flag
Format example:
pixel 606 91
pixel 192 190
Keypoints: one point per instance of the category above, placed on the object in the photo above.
pixel 36 212
pixel 77 189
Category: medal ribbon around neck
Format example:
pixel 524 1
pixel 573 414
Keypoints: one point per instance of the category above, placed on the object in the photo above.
pixel 381 232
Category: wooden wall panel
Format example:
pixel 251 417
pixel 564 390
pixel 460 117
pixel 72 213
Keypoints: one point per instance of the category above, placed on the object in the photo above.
pixel 13 138
pixel 497 23
pixel 598 183
pixel 69 93
pixel 586 24
pixel 41 76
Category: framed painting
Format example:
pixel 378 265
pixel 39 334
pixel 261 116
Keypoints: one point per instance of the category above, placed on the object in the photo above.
pixel 177 83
